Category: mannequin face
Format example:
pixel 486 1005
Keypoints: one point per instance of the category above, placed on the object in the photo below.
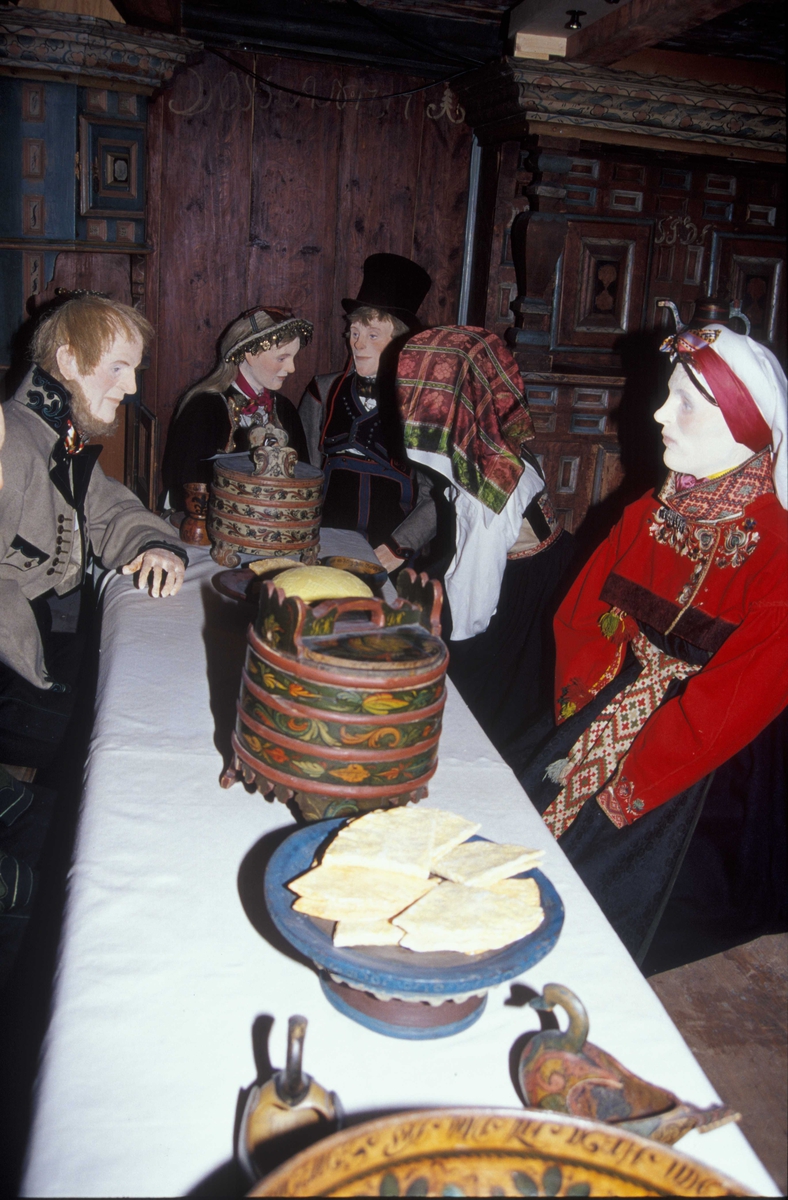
pixel 697 440
pixel 270 368
pixel 367 343
pixel 103 389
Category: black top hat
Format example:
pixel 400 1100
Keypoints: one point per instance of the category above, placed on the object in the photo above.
pixel 393 284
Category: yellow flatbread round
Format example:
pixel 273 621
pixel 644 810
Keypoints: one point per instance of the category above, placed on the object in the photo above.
pixel 321 583
pixel 264 566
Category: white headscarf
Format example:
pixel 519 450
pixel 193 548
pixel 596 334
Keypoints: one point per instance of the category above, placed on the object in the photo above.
pixel 764 378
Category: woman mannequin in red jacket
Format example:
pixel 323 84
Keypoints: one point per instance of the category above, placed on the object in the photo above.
pixel 672 645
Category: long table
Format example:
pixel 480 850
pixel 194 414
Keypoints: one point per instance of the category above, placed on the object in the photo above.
pixel 163 967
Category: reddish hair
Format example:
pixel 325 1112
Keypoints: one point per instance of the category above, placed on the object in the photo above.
pixel 89 326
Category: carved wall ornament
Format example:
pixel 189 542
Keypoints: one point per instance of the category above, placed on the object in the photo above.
pixel 67 43
pixel 670 230
pixel 203 97
pixel 238 93
pixel 449 107
pixel 582 96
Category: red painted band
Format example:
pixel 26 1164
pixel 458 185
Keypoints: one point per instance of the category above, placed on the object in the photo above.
pixel 741 413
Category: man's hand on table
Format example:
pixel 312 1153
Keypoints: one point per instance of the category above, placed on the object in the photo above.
pixel 154 565
pixel 387 560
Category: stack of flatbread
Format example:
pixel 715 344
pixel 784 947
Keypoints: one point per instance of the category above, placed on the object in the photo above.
pixel 410 877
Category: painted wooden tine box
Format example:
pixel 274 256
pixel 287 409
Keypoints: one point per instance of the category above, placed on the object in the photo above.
pixel 268 505
pixel 341 700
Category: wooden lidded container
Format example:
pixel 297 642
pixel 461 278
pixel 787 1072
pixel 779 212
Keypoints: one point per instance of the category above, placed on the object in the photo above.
pixel 342 700
pixel 269 516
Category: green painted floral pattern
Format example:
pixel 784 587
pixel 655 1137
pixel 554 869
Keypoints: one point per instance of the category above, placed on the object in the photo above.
pixel 523 1185
pixel 324 696
pixel 335 733
pixel 303 765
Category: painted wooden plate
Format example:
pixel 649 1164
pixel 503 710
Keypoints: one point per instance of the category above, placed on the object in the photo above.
pixel 492 1152
pixel 371 572
pixel 237 584
pixel 393 970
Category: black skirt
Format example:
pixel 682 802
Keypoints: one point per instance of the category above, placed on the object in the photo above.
pixel 733 882
pixel 701 873
pixel 505 675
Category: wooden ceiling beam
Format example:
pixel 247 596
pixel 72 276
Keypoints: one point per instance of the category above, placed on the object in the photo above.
pixel 151 14
pixel 639 24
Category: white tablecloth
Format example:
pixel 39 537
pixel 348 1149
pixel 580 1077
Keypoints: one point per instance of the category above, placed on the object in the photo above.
pixel 162 973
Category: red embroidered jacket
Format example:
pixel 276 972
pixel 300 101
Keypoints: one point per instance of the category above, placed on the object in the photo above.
pixel 710 565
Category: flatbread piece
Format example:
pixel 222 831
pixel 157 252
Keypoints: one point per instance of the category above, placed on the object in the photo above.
pixel 479 864
pixel 406 840
pixel 354 931
pixel 337 891
pixel 467 920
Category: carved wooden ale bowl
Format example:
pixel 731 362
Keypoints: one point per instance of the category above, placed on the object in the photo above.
pixel 261 515
pixel 341 701
pixel 491 1152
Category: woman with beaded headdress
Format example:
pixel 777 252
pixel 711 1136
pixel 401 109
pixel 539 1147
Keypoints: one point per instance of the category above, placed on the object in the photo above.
pixel 672 657
pixel 256 354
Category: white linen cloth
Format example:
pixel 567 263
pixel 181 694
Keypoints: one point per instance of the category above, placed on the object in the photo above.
pixel 164 962
pixel 473 578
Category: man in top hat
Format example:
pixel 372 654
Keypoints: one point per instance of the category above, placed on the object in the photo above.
pixel 215 416
pixel 350 419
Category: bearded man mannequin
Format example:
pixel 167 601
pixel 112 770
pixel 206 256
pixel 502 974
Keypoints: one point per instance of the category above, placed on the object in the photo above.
pixel 58 510
pixel 672 655
pixel 350 419
pixel 58 513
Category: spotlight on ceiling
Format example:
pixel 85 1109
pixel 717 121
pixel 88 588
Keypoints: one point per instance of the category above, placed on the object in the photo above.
pixel 574 15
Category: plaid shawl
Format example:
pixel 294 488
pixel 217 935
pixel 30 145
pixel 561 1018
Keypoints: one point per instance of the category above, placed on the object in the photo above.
pixel 460 395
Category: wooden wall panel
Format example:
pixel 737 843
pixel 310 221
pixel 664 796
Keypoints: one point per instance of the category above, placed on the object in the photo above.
pixel 441 203
pixel 108 273
pixel 293 214
pixel 256 195
pixel 379 164
pixel 201 230
pixel 502 288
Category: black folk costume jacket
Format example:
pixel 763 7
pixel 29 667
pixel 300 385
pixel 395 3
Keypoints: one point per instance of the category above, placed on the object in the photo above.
pixel 57 511
pixel 367 488
pixel 211 423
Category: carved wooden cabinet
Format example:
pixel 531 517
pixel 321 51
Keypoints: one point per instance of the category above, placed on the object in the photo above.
pixel 575 441
pixel 584 243
pixel 578 240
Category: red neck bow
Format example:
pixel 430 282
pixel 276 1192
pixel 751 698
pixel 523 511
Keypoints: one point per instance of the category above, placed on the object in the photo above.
pixel 263 399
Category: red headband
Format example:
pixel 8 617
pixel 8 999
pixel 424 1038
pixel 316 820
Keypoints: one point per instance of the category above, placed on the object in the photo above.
pixel 741 413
